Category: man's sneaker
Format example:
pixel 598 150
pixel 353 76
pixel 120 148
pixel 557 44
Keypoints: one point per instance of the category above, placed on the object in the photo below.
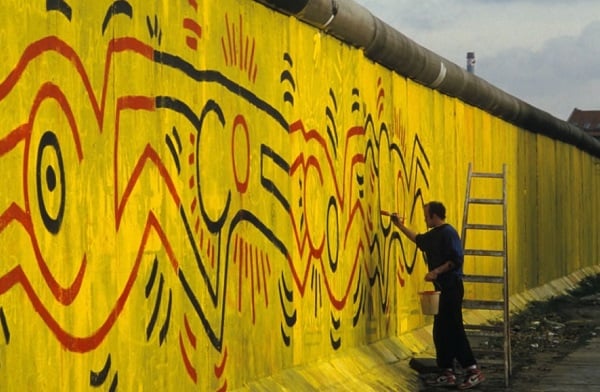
pixel 446 379
pixel 474 377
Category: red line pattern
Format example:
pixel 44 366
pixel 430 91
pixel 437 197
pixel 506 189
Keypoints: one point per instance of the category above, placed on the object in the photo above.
pixel 355 211
pixel 191 371
pixel 195 28
pixel 19 215
pixel 235 50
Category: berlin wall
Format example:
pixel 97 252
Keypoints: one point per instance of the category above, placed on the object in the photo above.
pixel 192 191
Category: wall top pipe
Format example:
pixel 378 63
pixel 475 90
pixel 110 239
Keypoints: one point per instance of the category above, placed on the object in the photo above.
pixel 356 26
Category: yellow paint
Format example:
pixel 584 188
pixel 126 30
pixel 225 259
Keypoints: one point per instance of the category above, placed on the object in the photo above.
pixel 213 190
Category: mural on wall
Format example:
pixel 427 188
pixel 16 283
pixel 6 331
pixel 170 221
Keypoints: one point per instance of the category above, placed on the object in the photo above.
pixel 166 198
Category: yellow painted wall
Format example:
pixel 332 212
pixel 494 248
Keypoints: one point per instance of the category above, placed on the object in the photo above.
pixel 191 194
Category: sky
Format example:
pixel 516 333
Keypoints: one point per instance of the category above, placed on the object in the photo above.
pixel 544 52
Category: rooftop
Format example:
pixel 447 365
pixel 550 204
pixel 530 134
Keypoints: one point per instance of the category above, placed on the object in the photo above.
pixel 588 120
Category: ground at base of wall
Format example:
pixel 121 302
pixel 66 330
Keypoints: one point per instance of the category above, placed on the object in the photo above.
pixel 541 335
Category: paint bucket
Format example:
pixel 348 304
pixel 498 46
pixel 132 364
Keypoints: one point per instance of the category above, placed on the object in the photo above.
pixel 430 302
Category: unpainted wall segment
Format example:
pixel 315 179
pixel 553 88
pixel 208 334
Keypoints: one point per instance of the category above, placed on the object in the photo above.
pixel 194 201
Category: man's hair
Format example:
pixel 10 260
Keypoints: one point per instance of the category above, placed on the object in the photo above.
pixel 437 208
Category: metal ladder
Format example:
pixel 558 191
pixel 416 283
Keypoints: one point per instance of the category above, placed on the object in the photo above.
pixel 473 253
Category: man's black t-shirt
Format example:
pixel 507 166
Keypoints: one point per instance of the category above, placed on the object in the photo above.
pixel 442 244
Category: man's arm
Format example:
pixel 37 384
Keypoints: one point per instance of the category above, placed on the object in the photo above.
pixel 434 273
pixel 399 222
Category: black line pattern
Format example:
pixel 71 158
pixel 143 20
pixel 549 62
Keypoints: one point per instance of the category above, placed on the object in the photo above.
pixel 5 329
pixel 116 8
pixel 60 6
pixel 175 151
pixel 98 378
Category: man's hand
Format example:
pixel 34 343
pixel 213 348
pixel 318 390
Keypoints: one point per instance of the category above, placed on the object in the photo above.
pixel 431 276
pixel 397 220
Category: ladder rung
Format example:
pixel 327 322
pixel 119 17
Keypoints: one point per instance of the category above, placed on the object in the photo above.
pixel 483 356
pixel 483 279
pixel 478 304
pixel 475 333
pixel 486 201
pixel 478 226
pixel 485 327
pixel 480 252
pixel 488 353
pixel 487 175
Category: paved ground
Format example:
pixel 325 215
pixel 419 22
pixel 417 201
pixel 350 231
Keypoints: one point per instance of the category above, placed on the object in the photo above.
pixel 578 371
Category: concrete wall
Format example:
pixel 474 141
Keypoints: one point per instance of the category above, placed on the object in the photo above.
pixel 192 192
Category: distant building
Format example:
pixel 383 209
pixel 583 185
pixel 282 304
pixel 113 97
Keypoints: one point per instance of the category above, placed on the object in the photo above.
pixel 471 62
pixel 588 120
